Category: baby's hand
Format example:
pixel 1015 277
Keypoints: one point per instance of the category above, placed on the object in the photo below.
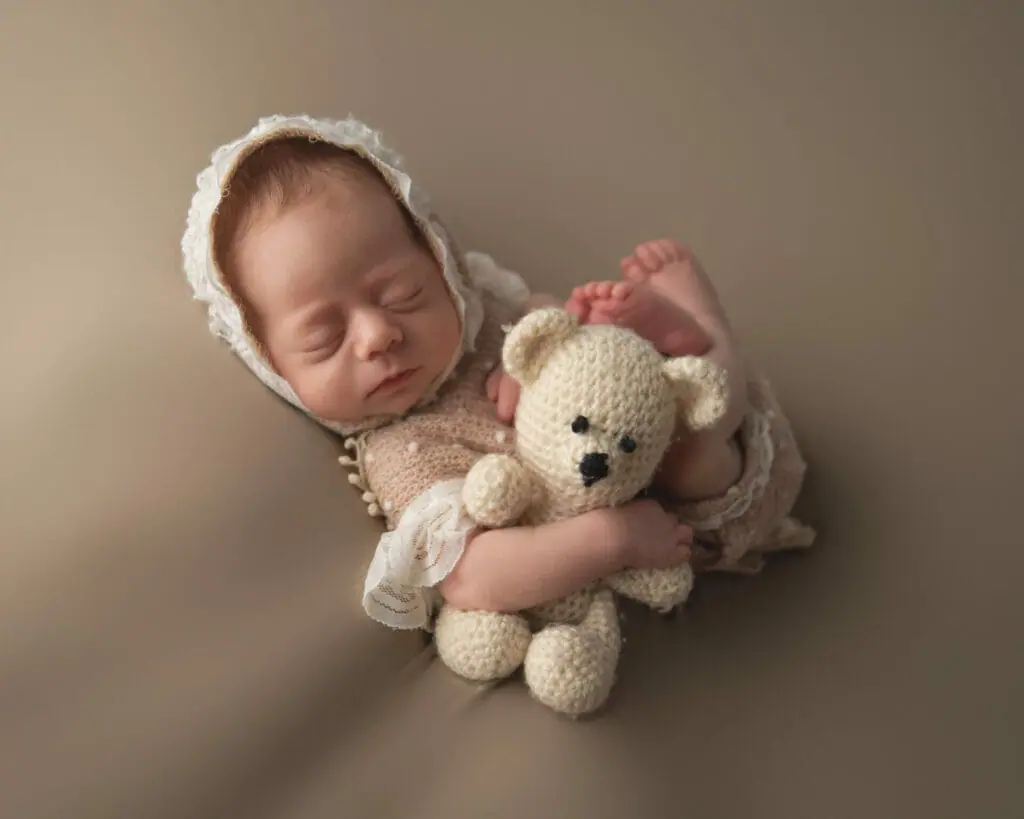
pixel 503 390
pixel 650 537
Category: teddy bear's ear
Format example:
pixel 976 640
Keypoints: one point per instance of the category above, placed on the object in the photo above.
pixel 533 338
pixel 701 390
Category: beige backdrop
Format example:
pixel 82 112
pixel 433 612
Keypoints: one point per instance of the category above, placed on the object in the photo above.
pixel 180 555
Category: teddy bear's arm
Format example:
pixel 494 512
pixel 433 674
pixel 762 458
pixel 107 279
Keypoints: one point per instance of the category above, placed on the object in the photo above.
pixel 498 491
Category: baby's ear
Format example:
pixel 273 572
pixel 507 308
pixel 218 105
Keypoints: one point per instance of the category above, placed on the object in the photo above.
pixel 532 340
pixel 701 390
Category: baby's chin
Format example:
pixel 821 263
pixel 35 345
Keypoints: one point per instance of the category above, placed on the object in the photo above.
pixel 394 405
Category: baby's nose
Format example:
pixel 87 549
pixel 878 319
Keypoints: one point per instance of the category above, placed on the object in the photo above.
pixel 594 467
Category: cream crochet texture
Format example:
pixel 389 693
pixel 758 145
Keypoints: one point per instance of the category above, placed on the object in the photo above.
pixel 597 412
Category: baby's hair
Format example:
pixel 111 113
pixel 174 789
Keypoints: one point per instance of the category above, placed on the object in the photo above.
pixel 276 174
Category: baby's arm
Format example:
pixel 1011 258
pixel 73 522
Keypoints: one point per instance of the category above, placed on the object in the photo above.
pixel 522 566
pixel 519 567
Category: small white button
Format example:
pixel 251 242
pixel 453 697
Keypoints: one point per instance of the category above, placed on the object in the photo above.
pixel 501 437
pixel 413 446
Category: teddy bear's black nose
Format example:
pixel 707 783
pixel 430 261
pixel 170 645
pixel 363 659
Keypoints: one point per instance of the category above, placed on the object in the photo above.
pixel 593 467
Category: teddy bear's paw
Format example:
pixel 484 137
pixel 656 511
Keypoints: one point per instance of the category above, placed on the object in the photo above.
pixel 497 491
pixel 481 645
pixel 702 390
pixel 571 669
pixel 660 589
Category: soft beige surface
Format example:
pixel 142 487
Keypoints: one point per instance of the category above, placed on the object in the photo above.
pixel 180 555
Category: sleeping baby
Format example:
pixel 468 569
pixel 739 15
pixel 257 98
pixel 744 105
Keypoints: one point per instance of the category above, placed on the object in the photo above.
pixel 325 269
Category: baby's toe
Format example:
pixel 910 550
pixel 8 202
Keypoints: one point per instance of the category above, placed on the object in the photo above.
pixel 578 307
pixel 634 270
pixel 648 257
pixel 622 290
pixel 665 249
pixel 675 251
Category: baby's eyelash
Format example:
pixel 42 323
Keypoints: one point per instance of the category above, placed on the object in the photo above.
pixel 323 344
pixel 402 298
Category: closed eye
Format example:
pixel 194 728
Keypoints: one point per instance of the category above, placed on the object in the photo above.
pixel 323 344
pixel 398 301
pixel 401 290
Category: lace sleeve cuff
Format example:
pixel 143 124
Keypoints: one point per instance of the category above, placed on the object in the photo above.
pixel 418 554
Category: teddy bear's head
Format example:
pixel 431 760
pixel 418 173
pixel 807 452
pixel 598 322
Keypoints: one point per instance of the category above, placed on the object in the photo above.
pixel 598 407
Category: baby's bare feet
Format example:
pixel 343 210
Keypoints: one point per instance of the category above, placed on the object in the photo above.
pixel 706 464
pixel 653 257
pixel 638 306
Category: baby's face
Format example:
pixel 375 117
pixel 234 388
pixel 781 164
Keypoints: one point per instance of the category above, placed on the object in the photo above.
pixel 352 310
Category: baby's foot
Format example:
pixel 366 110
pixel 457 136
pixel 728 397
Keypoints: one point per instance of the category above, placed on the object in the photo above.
pixel 653 257
pixel 636 305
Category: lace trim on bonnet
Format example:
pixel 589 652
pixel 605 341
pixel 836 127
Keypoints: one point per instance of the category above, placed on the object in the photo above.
pixel 207 281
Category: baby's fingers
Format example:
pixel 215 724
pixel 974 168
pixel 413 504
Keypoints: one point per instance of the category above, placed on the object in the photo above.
pixel 684 542
pixel 494 383
pixel 508 399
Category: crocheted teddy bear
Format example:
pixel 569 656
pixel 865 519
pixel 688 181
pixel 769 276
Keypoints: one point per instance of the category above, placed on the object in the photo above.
pixel 597 411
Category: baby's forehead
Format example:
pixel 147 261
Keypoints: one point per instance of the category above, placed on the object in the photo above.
pixel 322 190
pixel 282 173
pixel 339 241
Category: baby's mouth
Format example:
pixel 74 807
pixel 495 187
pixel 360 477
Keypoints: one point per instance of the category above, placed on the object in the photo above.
pixel 394 382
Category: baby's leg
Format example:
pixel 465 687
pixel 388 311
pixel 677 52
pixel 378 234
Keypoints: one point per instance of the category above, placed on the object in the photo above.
pixel 706 464
pixel 668 299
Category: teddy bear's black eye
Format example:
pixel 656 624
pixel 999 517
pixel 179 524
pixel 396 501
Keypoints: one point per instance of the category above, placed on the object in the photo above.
pixel 627 444
pixel 580 424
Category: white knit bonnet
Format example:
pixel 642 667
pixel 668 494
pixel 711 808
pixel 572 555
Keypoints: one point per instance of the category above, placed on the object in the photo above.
pixel 207 280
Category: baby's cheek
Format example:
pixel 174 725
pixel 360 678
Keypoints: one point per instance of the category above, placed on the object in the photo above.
pixel 328 390
pixel 439 329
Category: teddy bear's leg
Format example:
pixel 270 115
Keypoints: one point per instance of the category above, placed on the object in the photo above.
pixel 481 645
pixel 571 668
pixel 569 609
pixel 660 589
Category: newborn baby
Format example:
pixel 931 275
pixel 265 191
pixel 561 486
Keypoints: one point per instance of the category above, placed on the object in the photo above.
pixel 325 269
